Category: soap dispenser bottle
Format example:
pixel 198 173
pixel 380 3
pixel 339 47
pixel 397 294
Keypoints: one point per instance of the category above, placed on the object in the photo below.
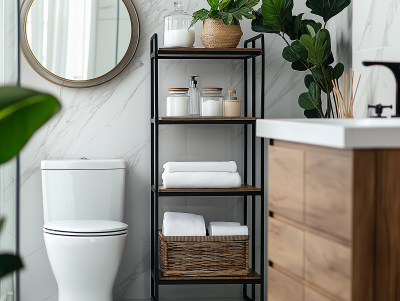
pixel 194 97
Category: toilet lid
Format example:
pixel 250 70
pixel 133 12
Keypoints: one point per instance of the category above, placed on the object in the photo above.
pixel 85 226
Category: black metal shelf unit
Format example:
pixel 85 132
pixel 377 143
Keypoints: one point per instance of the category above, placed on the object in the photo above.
pixel 249 52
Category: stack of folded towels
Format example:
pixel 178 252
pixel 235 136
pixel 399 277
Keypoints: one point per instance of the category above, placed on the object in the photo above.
pixel 187 224
pixel 201 175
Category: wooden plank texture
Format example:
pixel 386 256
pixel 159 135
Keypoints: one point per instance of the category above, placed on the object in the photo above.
pixel 282 288
pixel 286 182
pixel 286 247
pixel 329 183
pixel 363 248
pixel 311 295
pixel 328 266
pixel 252 275
pixel 387 264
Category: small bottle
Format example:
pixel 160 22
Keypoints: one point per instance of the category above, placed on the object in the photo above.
pixel 232 106
pixel 194 95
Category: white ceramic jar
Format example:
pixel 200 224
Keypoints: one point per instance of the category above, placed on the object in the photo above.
pixel 178 102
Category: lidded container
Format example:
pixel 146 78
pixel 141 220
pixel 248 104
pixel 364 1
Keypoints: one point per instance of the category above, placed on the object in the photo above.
pixel 211 102
pixel 176 28
pixel 83 189
pixel 232 105
pixel 178 102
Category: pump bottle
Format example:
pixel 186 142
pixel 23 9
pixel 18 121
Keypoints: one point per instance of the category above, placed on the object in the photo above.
pixel 194 97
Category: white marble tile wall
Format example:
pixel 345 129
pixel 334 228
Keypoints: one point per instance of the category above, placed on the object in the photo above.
pixel 112 121
pixel 375 38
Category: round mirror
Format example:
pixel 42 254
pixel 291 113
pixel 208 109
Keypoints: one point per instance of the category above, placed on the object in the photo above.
pixel 79 43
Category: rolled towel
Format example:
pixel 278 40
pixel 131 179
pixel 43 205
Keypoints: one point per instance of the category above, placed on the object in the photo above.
pixel 183 224
pixel 231 224
pixel 201 180
pixel 223 166
pixel 215 230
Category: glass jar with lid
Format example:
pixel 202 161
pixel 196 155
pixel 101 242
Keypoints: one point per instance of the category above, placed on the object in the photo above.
pixel 232 105
pixel 176 28
pixel 178 102
pixel 211 102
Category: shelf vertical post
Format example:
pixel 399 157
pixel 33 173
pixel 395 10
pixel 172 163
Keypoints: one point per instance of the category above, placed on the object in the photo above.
pixel 253 165
pixel 152 163
pixel 262 271
pixel 245 149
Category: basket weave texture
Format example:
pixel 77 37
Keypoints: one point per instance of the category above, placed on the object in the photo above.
pixel 215 34
pixel 204 255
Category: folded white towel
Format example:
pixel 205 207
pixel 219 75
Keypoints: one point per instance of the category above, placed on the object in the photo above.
pixel 183 224
pixel 230 224
pixel 223 166
pixel 201 180
pixel 215 230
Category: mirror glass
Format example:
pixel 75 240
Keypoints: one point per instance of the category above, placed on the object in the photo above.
pixel 78 40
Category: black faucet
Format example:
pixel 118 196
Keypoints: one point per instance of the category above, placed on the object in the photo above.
pixel 395 67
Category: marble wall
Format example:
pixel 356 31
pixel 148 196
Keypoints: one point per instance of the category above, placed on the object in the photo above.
pixel 112 121
pixel 375 24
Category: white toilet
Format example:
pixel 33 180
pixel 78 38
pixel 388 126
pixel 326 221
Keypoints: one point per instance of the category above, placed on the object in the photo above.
pixel 83 203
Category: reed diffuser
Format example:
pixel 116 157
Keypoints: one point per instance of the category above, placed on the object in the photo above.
pixel 344 102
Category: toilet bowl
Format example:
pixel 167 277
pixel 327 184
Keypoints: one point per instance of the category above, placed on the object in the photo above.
pixel 85 256
pixel 84 233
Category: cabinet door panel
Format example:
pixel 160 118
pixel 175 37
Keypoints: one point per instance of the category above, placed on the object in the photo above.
pixel 328 266
pixel 282 288
pixel 286 182
pixel 328 196
pixel 286 246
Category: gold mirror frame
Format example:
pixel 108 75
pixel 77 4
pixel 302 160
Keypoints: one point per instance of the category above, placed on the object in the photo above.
pixel 31 59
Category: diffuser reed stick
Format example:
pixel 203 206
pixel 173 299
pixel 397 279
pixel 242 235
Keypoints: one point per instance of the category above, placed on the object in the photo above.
pixel 345 101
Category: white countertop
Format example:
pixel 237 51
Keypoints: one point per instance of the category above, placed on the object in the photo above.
pixel 337 133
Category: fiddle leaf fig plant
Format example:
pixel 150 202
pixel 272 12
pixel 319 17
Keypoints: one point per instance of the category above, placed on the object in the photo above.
pixel 308 47
pixel 22 112
pixel 229 11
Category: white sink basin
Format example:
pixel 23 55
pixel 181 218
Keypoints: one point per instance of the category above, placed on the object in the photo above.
pixel 337 133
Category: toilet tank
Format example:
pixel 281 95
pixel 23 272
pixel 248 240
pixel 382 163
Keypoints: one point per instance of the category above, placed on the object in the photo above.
pixel 83 189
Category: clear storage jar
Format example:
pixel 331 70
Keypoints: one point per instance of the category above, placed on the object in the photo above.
pixel 232 105
pixel 211 102
pixel 176 28
pixel 178 102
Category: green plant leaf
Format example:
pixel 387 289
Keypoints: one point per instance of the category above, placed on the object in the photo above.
pixel 22 112
pixel 299 66
pixel 320 39
pixel 338 70
pixel 297 23
pixel 329 74
pixel 289 55
pixel 303 26
pixel 274 13
pixel 251 3
pixel 9 263
pixel 307 42
pixel 317 73
pixel 227 18
pixel 240 3
pixel 311 113
pixel 257 24
pixel 315 93
pixel 223 4
pixel 239 17
pixel 327 8
pixel 311 31
pixel 308 79
pixel 305 101
pixel 300 49
pixel 199 15
pixel 214 4
pixel 215 15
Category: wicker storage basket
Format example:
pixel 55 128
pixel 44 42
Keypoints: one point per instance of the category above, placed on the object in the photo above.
pixel 215 34
pixel 204 255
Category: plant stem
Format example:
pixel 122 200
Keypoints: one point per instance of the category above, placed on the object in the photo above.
pixel 328 93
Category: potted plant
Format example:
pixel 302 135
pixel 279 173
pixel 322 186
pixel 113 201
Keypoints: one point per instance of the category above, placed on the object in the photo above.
pixel 22 112
pixel 308 48
pixel 221 27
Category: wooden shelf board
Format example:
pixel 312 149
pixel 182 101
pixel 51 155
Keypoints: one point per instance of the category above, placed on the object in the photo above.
pixel 227 53
pixel 252 275
pixel 244 188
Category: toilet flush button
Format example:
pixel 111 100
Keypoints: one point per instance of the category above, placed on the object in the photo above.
pixel 84 158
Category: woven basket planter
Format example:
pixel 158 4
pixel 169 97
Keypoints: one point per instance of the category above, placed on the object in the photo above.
pixel 204 255
pixel 215 34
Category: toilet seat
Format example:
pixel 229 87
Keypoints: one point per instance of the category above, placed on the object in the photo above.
pixel 85 228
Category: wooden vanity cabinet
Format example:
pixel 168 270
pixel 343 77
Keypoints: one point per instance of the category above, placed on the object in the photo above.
pixel 334 223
